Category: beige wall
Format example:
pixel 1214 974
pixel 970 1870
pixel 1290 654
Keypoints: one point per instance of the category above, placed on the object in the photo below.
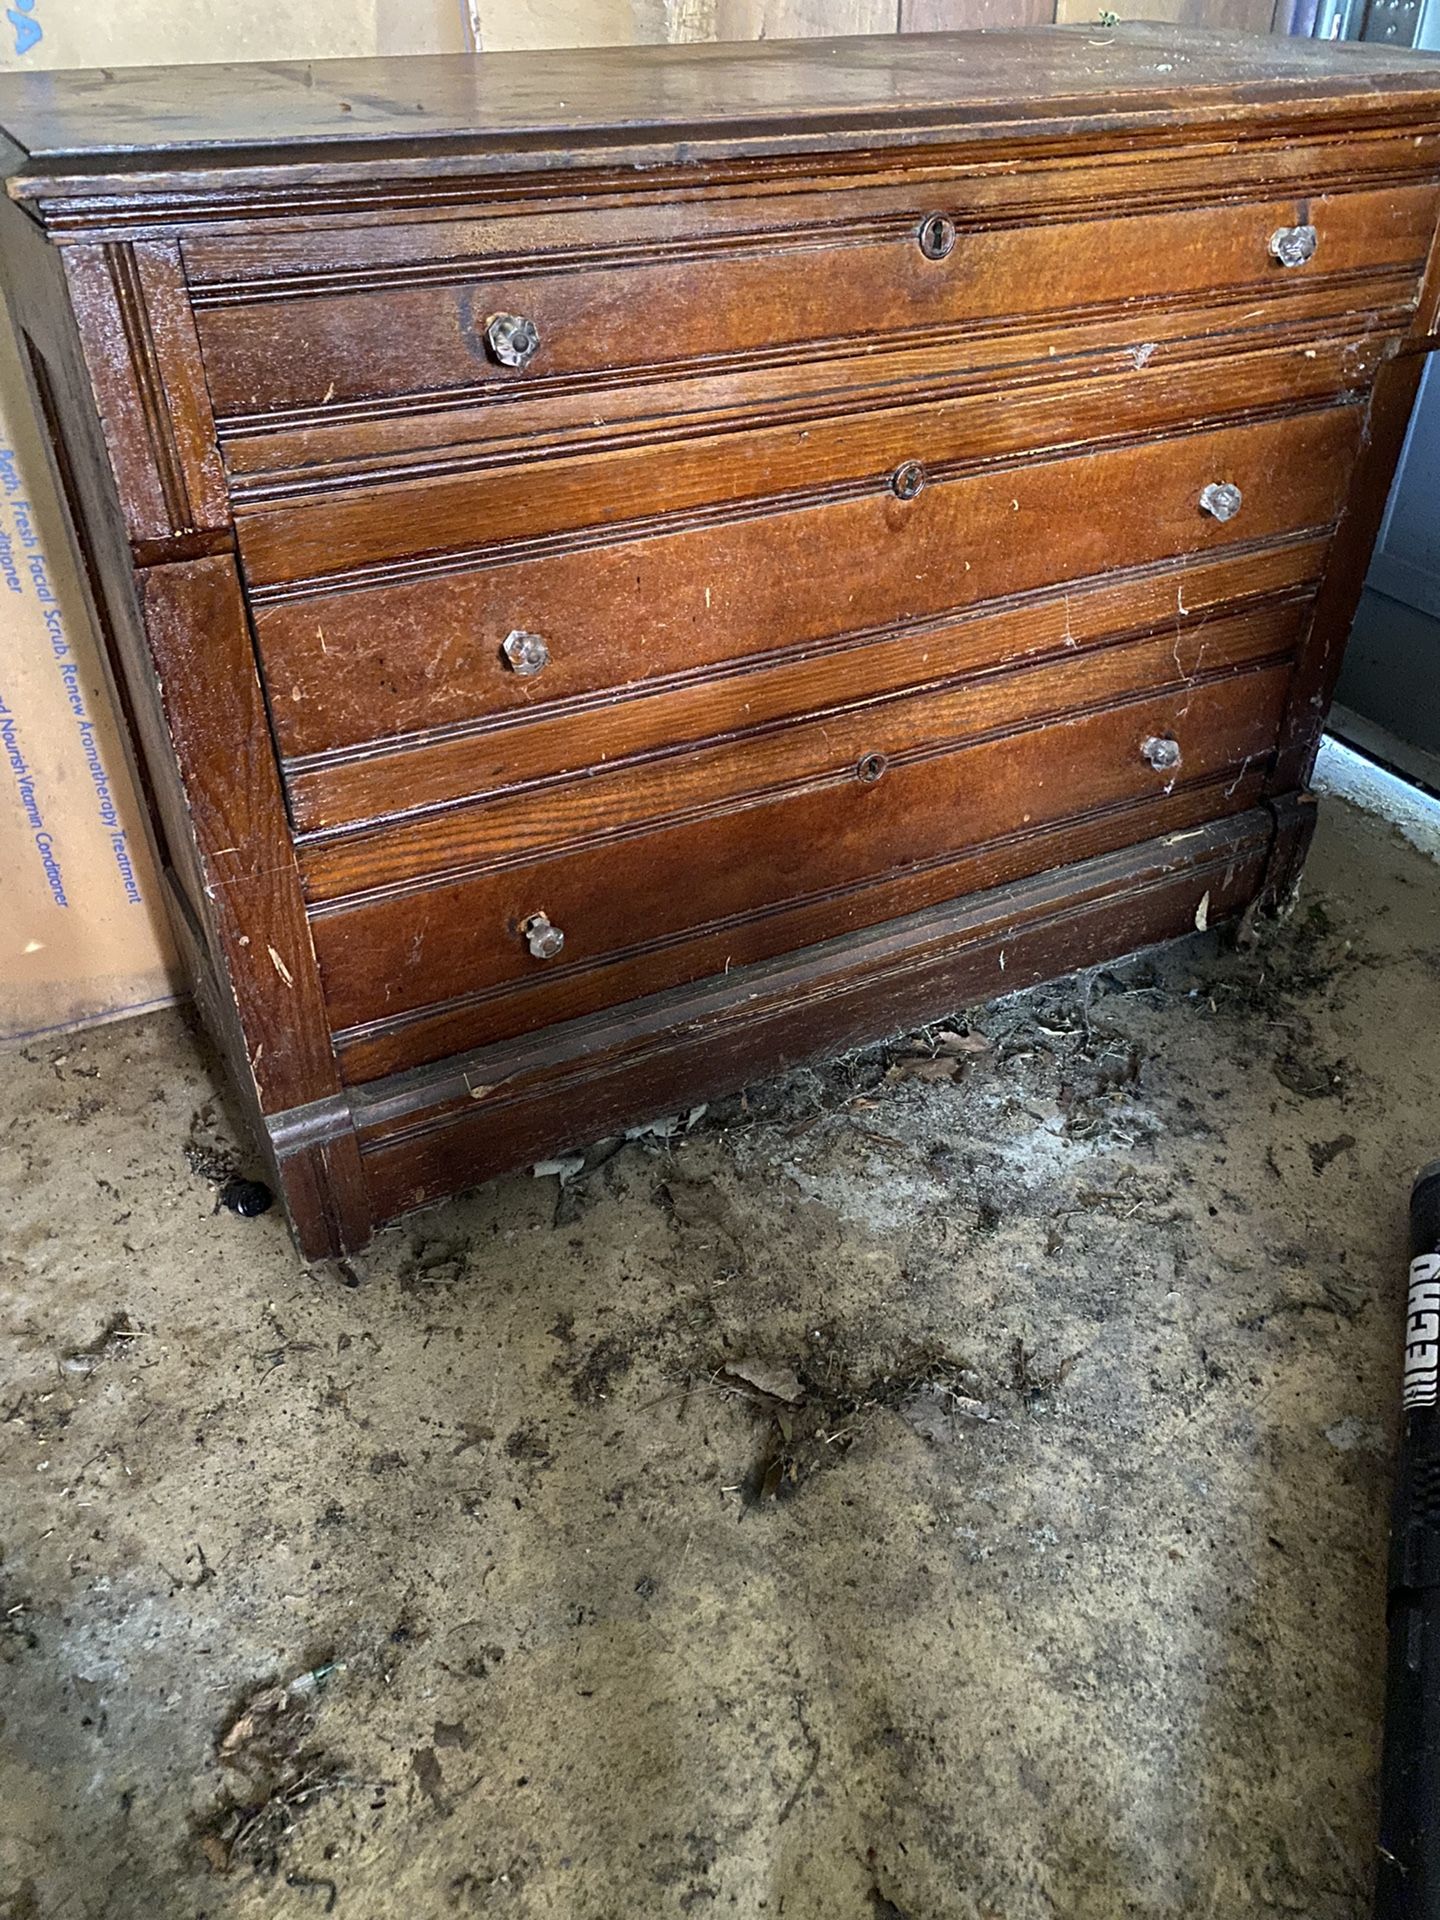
pixel 1237 16
pixel 137 33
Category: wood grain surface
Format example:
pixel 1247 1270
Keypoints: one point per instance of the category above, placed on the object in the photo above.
pixel 566 101
pixel 593 735
pixel 405 949
pixel 616 617
pixel 810 288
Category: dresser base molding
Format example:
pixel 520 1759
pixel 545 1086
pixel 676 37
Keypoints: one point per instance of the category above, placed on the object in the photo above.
pixel 425 1134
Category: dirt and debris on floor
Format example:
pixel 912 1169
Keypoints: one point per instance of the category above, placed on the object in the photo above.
pixel 948 1482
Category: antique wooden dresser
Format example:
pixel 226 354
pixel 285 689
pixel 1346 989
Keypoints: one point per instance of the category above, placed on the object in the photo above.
pixel 624 569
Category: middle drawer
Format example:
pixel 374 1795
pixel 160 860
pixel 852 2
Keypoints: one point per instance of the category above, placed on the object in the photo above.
pixel 479 511
pixel 802 608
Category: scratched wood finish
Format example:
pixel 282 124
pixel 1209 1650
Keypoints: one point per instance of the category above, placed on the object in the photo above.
pixel 380 530
pixel 868 581
pixel 819 290
pixel 774 688
pixel 577 215
pixel 150 140
pixel 277 457
pixel 515 828
pixel 131 308
pixel 627 615
pixel 377 1049
pixel 408 948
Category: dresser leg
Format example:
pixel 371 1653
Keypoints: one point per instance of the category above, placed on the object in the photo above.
pixel 1294 816
pixel 326 1197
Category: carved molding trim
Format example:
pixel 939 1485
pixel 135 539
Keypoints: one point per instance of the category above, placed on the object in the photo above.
pixel 299 1129
pixel 255 491
pixel 724 512
pixel 149 383
pixel 188 189
pixel 577 706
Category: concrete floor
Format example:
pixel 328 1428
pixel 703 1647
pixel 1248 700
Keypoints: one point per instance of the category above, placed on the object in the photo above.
pixel 1046 1579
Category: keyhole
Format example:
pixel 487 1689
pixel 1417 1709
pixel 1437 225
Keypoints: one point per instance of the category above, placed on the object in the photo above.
pixel 907 480
pixel 937 236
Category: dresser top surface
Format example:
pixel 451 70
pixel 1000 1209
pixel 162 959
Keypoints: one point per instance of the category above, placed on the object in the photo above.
pixel 788 93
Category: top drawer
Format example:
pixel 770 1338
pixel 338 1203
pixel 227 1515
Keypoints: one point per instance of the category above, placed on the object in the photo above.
pixel 455 319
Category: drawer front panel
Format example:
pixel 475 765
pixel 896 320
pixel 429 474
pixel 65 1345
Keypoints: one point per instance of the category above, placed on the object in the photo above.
pixel 775 689
pixel 410 948
pixel 468 1020
pixel 812 291
pixel 589 225
pixel 357 534
pixel 826 746
pixel 267 461
pixel 639 617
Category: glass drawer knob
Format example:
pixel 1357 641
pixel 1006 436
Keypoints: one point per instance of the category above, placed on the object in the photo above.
pixel 526 653
pixel 512 339
pixel 1293 246
pixel 1162 752
pixel 1221 500
pixel 543 940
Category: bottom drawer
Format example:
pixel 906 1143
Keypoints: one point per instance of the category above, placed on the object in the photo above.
pixel 414 973
pixel 432 1132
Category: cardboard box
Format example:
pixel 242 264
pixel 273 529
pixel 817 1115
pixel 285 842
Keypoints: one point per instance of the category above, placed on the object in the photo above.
pixel 84 937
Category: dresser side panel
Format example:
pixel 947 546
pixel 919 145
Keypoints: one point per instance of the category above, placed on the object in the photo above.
pixel 182 673
pixel 1318 665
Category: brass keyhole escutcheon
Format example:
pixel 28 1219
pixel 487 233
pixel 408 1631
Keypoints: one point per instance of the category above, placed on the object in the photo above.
pixel 907 480
pixel 936 236
pixel 870 768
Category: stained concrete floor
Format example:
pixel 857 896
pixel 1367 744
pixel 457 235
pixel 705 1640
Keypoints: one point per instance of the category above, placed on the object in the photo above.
pixel 1045 1579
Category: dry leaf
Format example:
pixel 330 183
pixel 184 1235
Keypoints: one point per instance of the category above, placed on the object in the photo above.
pixel 942 1069
pixel 565 1167
pixel 260 1711
pixel 769 1377
pixel 926 1069
pixel 216 1852
pixel 957 1045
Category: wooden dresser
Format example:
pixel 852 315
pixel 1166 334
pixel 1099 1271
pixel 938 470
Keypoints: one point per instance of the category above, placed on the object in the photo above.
pixel 626 569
